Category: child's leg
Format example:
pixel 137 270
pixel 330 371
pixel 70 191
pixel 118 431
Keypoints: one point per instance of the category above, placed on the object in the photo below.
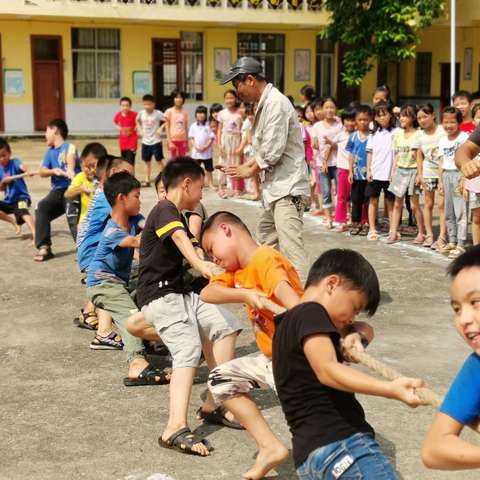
pixel 372 213
pixel 460 209
pixel 48 209
pixel 343 194
pixel 11 221
pixel 476 226
pixel 428 212
pixel 28 219
pixel 449 192
pixel 396 215
pixel 357 202
pixel 441 215
pixel 139 327
pixel 417 211
pixel 326 190
pixel 408 206
pixel 105 323
pixel 364 219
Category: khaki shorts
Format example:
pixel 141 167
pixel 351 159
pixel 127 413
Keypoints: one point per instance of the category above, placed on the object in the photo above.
pixel 241 375
pixel 185 323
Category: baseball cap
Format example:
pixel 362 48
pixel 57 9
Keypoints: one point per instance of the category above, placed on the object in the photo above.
pixel 244 65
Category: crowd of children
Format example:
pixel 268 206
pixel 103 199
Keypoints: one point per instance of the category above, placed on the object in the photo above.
pixel 404 153
pixel 155 300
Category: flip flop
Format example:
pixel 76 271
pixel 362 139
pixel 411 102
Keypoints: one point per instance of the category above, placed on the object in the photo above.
pixel 217 417
pixel 183 441
pixel 148 376
pixel 44 253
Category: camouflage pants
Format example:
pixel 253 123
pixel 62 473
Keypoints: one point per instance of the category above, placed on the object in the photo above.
pixel 239 376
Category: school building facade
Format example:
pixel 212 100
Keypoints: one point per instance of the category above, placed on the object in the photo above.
pixel 74 59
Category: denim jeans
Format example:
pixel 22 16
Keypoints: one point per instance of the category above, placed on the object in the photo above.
pixel 358 457
pixel 326 180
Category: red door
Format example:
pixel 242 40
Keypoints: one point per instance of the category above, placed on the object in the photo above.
pixel 47 73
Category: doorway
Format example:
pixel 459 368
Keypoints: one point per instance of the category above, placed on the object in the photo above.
pixel 166 70
pixel 445 83
pixel 47 77
pixel 345 94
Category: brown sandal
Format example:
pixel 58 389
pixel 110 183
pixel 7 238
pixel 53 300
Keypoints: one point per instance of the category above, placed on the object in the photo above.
pixel 44 253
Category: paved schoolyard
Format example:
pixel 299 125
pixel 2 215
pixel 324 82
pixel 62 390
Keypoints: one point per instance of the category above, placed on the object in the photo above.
pixel 64 412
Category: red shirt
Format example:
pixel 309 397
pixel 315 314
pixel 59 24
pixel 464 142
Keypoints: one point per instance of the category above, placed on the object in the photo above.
pixel 128 135
pixel 467 127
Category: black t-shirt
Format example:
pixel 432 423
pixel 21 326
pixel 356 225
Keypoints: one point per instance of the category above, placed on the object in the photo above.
pixel 161 261
pixel 475 136
pixel 316 414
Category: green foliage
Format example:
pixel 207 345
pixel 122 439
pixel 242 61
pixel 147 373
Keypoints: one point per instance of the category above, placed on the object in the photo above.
pixel 381 30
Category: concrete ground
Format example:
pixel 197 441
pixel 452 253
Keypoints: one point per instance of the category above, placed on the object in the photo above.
pixel 64 412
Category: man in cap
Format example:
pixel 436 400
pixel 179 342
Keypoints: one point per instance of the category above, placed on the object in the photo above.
pixel 279 158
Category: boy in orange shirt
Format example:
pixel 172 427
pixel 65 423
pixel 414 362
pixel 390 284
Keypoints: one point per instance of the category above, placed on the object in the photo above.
pixel 252 272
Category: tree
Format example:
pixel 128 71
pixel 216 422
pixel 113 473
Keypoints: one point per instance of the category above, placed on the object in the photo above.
pixel 381 30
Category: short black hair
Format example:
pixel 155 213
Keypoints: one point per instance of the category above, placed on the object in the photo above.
pixel 5 145
pixel 475 95
pixel 348 114
pixel 243 76
pixel 469 259
pixel 119 183
pixel 126 99
pixel 114 161
pixel 202 109
pixel 94 148
pixel 179 93
pixel 453 111
pixel 426 108
pixel 102 165
pixel 363 109
pixel 158 179
pixel 383 89
pixel 462 94
pixel 225 217
pixel 60 125
pixel 383 107
pixel 410 111
pixel 351 266
pixel 180 168
pixel 308 92
pixel 148 98
pixel 328 98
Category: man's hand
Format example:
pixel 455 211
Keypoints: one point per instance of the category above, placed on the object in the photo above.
pixel 254 299
pixel 403 389
pixel 471 169
pixel 237 171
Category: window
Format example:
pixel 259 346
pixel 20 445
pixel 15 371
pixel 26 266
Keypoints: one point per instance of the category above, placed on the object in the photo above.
pixel 96 62
pixel 191 49
pixel 267 48
pixel 324 68
pixel 423 73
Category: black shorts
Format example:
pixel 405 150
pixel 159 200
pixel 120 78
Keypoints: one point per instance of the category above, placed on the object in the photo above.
pixel 207 163
pixel 18 209
pixel 149 151
pixel 374 189
pixel 129 156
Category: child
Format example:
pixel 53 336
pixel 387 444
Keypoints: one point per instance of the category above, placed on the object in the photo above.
pixel 318 116
pixel 331 437
pixel 60 163
pixel 428 159
pixel 229 137
pixel 462 100
pixel 252 272
pixel 176 119
pixel 325 132
pixel 451 183
pixel 404 174
pixel 357 177
pixel 83 184
pixel 148 125
pixel 17 199
pixel 201 142
pixel 307 95
pixel 379 164
pixel 443 449
pixel 214 110
pixel 473 189
pixel 126 122
pixel 172 311
pixel 343 170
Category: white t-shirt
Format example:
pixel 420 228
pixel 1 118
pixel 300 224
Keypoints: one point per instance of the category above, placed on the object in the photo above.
pixel 322 130
pixel 150 123
pixel 380 144
pixel 201 135
pixel 343 157
pixel 430 147
pixel 448 148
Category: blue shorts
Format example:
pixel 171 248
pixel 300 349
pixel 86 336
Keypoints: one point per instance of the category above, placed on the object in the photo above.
pixel 358 457
pixel 149 151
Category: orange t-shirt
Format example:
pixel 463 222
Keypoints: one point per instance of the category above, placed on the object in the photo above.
pixel 267 268
pixel 177 124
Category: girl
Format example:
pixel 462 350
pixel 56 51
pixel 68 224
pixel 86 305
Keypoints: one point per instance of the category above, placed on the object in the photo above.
pixel 214 110
pixel 307 95
pixel 325 132
pixel 379 164
pixel 317 116
pixel 428 159
pixel 404 174
pixel 473 191
pixel 229 137
pixel 343 170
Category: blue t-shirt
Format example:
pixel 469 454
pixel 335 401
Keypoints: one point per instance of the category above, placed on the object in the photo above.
pixel 57 158
pixel 112 263
pixel 91 228
pixel 462 401
pixel 358 148
pixel 16 190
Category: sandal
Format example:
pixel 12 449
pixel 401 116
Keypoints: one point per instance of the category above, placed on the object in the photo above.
pixel 111 342
pixel 439 244
pixel 393 238
pixel 364 231
pixel 355 230
pixel 372 235
pixel 183 441
pixel 217 417
pixel 419 239
pixel 148 376
pixel 44 253
pixel 456 252
pixel 428 241
pixel 82 321
pixel 144 184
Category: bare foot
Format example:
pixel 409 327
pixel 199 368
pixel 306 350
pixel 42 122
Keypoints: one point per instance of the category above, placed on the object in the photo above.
pixel 18 229
pixel 266 460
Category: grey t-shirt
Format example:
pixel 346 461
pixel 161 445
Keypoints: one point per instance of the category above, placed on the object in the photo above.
pixel 150 123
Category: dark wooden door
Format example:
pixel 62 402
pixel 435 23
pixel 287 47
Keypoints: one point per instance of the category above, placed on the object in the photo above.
pixel 166 70
pixel 345 94
pixel 47 77
pixel 2 123
pixel 445 83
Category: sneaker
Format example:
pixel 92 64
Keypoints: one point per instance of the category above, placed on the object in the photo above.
pixel 456 252
pixel 447 248
pixel 113 341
